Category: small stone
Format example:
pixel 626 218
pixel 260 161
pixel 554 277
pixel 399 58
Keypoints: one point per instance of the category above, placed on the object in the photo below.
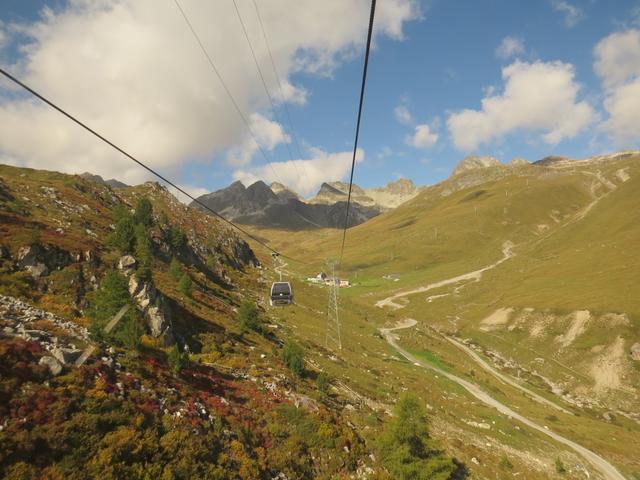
pixel 635 351
pixel 55 367
pixel 66 355
pixel 126 262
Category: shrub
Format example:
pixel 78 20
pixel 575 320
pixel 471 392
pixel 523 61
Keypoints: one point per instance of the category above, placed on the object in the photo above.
pixel 111 296
pixel 129 332
pixel 177 238
pixel 175 270
pixel 323 382
pixel 506 463
pixel 560 468
pixel 177 359
pixel 293 357
pixel 144 212
pixel 120 211
pixel 248 316
pixel 185 285
pixel 35 236
pixel 124 236
pixel 407 452
pixel 143 252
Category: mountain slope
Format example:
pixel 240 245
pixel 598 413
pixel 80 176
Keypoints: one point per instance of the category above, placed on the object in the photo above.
pixel 390 196
pixel 557 313
pixel 226 406
pixel 259 205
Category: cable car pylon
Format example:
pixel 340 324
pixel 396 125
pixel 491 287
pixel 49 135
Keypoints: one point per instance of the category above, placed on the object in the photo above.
pixel 333 338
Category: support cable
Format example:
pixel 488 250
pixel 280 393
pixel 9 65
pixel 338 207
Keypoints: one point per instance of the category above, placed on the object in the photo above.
pixel 143 165
pixel 355 145
pixel 226 88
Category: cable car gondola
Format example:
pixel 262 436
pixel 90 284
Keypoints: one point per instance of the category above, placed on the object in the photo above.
pixel 281 294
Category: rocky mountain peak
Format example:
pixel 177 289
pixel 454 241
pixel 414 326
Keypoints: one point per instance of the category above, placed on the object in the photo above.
pixel 474 162
pixel 112 182
pixel 518 162
pixel 284 192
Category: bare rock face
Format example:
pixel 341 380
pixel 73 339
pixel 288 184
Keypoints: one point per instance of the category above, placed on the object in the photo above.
pixel 475 163
pixel 54 366
pixel 151 303
pixel 66 355
pixel 39 260
pixel 29 259
pixel 126 263
pixel 635 351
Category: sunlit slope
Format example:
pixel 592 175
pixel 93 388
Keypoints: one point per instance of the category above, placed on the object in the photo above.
pixel 449 228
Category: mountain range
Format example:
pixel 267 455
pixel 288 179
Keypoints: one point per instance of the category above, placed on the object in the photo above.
pixel 280 207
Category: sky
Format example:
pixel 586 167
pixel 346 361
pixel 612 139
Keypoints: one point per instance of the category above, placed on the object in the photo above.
pixel 446 79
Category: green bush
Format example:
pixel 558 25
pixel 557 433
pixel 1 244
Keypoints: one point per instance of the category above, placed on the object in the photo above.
pixel 506 463
pixel 248 317
pixel 129 332
pixel 175 269
pixel 177 238
pixel 323 383
pixel 560 468
pixel 293 357
pixel 124 236
pixel 144 212
pixel 185 285
pixel 177 359
pixel 407 451
pixel 143 252
pixel 106 302
pixel 35 236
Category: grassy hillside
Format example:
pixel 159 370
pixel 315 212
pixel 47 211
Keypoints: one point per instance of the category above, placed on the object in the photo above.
pixel 559 317
pixel 210 394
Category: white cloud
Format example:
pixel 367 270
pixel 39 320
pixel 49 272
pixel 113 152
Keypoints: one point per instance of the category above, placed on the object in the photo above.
pixel 540 97
pixel 617 63
pixel 268 135
pixel 131 70
pixel 510 47
pixel 623 105
pixel 322 167
pixel 572 14
pixel 403 115
pixel 617 58
pixel 422 137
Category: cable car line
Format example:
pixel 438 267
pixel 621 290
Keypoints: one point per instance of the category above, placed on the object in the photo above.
pixel 143 165
pixel 226 88
pixel 277 75
pixel 355 145
pixel 264 83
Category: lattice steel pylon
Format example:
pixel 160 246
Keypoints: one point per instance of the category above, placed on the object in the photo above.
pixel 333 337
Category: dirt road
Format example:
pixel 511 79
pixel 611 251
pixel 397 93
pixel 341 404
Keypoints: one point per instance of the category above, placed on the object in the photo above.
pixel 503 378
pixel 507 253
pixel 608 471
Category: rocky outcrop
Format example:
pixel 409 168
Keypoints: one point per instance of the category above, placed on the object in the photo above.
pixel 66 355
pixel 518 162
pixel 98 179
pixel 149 301
pixel 635 351
pixel 259 205
pixel 283 192
pixel 393 194
pixel 40 260
pixel 54 366
pixel 127 263
pixel 474 163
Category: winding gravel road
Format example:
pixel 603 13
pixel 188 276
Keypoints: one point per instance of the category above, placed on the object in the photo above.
pixel 608 471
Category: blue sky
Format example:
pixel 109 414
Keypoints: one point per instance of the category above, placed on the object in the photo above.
pixel 433 61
